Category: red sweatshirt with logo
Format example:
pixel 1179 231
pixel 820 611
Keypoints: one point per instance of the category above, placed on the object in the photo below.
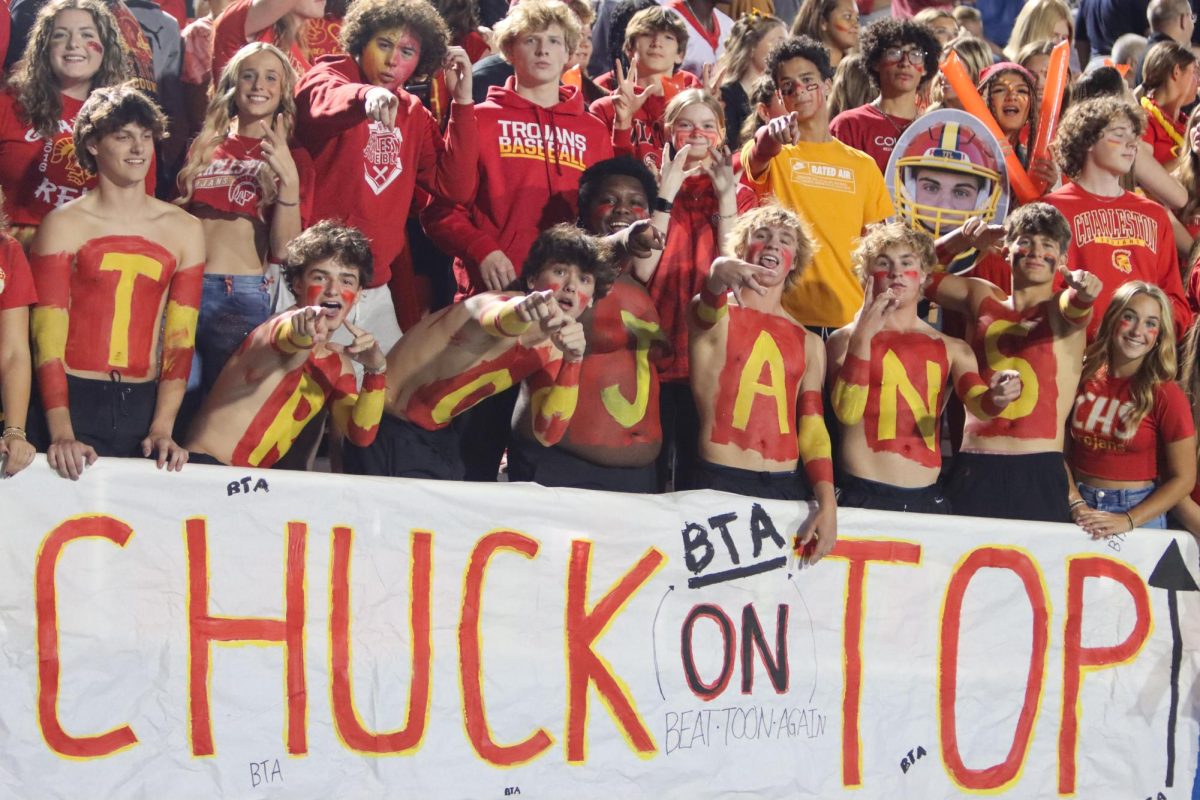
pixel 366 172
pixel 530 161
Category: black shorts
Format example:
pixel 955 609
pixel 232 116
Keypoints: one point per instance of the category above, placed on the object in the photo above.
pixel 404 450
pixel 110 415
pixel 204 458
pixel 768 485
pixel 554 466
pixel 1030 486
pixel 856 492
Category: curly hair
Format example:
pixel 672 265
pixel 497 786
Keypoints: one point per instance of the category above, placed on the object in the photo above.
pixel 889 32
pixel 774 216
pixel 567 244
pixel 34 82
pixel 1082 126
pixel 799 47
pixel 107 110
pixel 1038 219
pixel 881 236
pixel 594 176
pixel 222 109
pixel 366 18
pixel 328 239
pixel 747 32
pixel 1157 367
pixel 535 16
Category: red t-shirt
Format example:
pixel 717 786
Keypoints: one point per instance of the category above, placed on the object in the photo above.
pixel 16 281
pixel 229 36
pixel 868 129
pixel 1098 444
pixel 39 176
pixel 230 184
pixel 687 255
pixel 1165 149
pixel 1121 239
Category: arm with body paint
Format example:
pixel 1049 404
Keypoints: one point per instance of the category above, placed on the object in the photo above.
pixel 818 535
pixel 356 413
pixel 179 343
pixel 51 269
pixel 1076 301
pixel 975 234
pixel 554 405
pixel 505 316
pixel 959 293
pixel 985 400
pixel 849 394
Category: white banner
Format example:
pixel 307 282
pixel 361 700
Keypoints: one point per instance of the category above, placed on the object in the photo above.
pixel 241 634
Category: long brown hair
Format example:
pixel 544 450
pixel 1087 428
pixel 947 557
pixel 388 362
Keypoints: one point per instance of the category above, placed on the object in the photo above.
pixel 222 110
pixel 1157 366
pixel 37 88
pixel 1187 168
pixel 747 32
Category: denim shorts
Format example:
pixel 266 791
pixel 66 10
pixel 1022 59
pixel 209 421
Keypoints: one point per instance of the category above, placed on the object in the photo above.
pixel 231 307
pixel 1119 501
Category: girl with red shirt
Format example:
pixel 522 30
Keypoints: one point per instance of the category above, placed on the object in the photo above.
pixel 74 47
pixel 243 183
pixel 698 201
pixel 1129 417
pixel 282 23
pixel 1169 80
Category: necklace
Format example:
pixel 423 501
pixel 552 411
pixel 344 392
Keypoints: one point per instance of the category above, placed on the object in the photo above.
pixel 1154 111
pixel 888 117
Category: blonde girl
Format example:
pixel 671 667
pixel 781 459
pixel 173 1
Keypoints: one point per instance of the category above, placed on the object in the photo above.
pixel 242 181
pixel 1129 417
pixel 743 63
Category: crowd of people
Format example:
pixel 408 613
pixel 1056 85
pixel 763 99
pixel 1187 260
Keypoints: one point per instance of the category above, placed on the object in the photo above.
pixel 621 246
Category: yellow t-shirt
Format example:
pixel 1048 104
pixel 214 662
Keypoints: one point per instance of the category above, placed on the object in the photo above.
pixel 838 190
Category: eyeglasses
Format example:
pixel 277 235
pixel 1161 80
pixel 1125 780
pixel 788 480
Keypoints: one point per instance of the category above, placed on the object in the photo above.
pixel 894 55
pixel 792 89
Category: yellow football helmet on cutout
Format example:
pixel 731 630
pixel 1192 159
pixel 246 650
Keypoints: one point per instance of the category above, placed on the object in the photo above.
pixel 947 147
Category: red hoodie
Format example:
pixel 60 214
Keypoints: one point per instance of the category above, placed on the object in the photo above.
pixel 365 172
pixel 524 187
